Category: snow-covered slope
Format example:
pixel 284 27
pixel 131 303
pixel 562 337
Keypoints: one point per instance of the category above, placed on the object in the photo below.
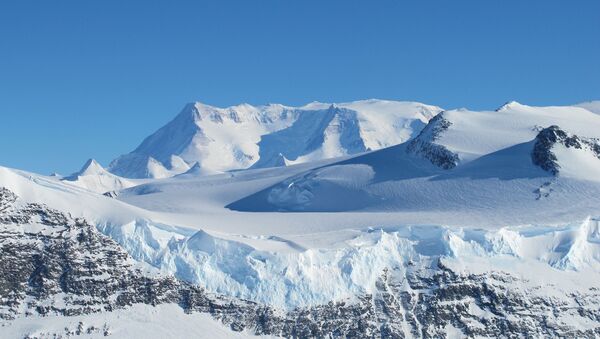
pixel 482 224
pixel 421 281
pixel 471 134
pixel 237 137
pixel 472 163
pixel 95 178
pixel 64 196
pixel 592 106
pixel 138 322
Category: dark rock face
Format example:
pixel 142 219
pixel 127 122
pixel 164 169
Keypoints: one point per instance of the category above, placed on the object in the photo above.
pixel 425 146
pixel 542 154
pixel 55 264
pixel 111 194
pixel 46 253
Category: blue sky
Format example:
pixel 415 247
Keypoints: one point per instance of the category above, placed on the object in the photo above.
pixel 82 79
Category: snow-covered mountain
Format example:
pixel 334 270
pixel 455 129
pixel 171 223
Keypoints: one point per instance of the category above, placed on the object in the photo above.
pixel 94 177
pixel 592 106
pixel 238 137
pixel 479 163
pixel 63 277
pixel 470 224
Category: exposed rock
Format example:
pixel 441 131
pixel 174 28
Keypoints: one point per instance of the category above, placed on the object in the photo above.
pixel 111 194
pixel 547 138
pixel 55 264
pixel 424 144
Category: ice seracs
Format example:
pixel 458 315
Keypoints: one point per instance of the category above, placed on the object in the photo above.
pixel 479 224
pixel 61 278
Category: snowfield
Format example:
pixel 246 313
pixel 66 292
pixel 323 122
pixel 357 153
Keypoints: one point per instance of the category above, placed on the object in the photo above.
pixel 138 322
pixel 296 207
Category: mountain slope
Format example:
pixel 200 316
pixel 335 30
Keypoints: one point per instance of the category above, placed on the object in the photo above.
pixel 95 178
pixel 238 137
pixel 462 161
pixel 483 224
pixel 55 265
pixel 592 106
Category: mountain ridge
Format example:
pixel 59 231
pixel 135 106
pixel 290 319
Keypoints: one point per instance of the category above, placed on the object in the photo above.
pixel 233 138
pixel 478 223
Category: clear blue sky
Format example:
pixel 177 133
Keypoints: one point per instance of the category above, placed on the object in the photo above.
pixel 82 79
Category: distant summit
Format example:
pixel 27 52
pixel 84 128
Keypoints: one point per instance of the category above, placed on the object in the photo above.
pixel 94 177
pixel 243 136
pixel 90 167
pixel 509 105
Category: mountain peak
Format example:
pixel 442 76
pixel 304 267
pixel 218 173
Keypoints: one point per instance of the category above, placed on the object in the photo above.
pixel 91 167
pixel 232 138
pixel 548 155
pixel 509 105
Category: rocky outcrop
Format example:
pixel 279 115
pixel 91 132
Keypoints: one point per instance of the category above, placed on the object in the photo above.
pixel 424 144
pixel 547 138
pixel 55 264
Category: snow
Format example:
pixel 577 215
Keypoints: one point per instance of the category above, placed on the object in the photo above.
pixel 577 163
pixel 95 178
pixel 495 176
pixel 138 321
pixel 237 137
pixel 592 106
pixel 297 276
pixel 312 232
pixel 474 134
pixel 64 196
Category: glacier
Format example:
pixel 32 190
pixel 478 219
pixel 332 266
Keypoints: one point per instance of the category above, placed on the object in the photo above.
pixel 384 218
pixel 307 277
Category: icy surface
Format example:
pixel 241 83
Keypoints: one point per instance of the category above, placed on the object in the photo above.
pixel 237 137
pixel 592 106
pixel 321 230
pixel 289 275
pixel 95 178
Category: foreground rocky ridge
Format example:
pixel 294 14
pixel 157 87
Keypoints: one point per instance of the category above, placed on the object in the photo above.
pixel 55 264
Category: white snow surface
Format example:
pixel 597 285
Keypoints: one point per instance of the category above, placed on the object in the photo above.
pixel 592 106
pixel 95 178
pixel 474 134
pixel 237 137
pixel 314 232
pixel 136 322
